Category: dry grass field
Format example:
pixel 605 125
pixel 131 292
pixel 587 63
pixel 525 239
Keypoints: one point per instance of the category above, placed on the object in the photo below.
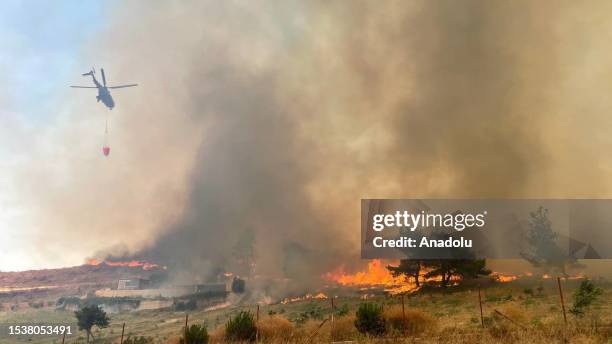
pixel 524 311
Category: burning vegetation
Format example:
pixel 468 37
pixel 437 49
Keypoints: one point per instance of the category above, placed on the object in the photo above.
pixel 131 263
pixel 406 276
pixel 376 275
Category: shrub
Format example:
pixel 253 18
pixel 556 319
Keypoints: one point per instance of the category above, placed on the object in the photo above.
pixel 241 327
pixel 417 321
pixel 369 319
pixel 36 304
pixel 584 296
pixel 311 311
pixel 196 334
pixel 65 300
pixel 498 298
pixel 275 329
pixel 138 340
pixel 342 310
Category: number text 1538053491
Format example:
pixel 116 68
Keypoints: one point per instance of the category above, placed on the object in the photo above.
pixel 33 330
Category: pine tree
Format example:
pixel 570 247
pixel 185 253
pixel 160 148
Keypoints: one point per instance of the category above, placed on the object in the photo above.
pixel 542 249
pixel 410 268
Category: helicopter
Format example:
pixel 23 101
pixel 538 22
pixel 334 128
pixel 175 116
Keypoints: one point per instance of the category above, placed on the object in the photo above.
pixel 103 90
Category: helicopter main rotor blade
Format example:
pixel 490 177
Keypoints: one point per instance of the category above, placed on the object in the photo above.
pixel 83 86
pixel 122 86
pixel 103 77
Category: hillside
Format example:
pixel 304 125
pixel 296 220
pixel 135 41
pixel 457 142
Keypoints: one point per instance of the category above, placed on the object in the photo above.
pixel 79 278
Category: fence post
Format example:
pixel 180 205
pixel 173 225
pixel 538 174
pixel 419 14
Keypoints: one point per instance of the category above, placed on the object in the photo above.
pixel 403 316
pixel 186 322
pixel 562 301
pixel 122 331
pixel 333 308
pixel 480 304
pixel 257 325
pixel 64 337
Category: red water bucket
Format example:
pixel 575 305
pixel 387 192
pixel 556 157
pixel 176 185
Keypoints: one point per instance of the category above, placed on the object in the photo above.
pixel 106 150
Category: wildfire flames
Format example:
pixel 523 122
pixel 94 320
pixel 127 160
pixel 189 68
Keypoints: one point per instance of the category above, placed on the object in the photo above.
pixel 504 278
pixel 132 264
pixel 377 275
pixel 501 277
pixel 319 296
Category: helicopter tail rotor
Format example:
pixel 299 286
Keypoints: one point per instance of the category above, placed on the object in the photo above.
pixel 103 77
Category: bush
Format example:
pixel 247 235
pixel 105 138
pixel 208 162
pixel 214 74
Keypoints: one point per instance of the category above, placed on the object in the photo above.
pixel 311 311
pixel 342 310
pixel 39 304
pixel 369 319
pixel 138 340
pixel 65 300
pixel 196 334
pixel 241 328
pixel 416 321
pixel 275 329
pixel 584 296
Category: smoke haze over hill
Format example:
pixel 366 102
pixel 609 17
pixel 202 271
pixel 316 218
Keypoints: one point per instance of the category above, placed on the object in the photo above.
pixel 258 126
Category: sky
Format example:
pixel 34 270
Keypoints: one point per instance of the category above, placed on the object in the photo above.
pixel 61 200
pixel 42 44
pixel 41 51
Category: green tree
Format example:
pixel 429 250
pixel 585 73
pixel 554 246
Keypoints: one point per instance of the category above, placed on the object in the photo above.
pixel 542 249
pixel 460 268
pixel 138 340
pixel 584 296
pixel 196 334
pixel 241 328
pixel 369 319
pixel 459 263
pixel 90 316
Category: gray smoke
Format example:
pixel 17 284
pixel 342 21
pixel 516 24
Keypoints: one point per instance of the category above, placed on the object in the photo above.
pixel 351 100
pixel 259 125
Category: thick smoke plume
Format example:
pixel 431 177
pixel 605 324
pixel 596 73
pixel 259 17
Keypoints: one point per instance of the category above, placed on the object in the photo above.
pixel 260 125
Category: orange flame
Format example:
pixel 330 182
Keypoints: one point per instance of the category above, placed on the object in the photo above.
pixel 376 274
pixel 319 296
pixel 132 263
pixel 503 277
